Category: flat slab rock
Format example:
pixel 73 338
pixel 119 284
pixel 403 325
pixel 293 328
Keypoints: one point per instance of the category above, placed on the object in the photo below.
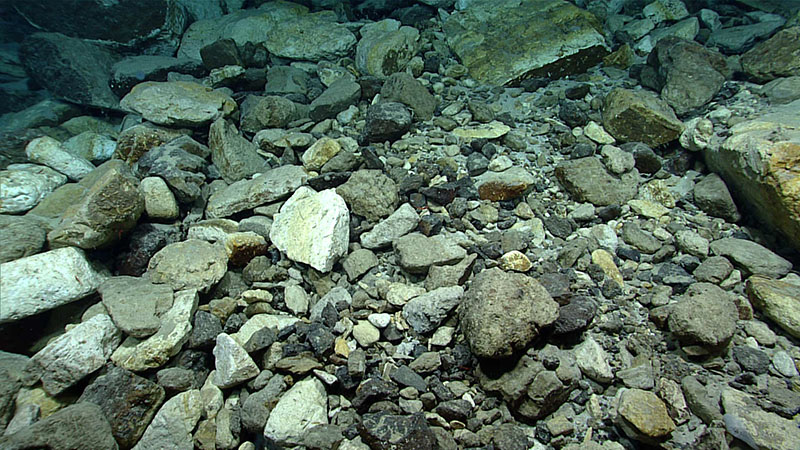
pixel 177 103
pixel 191 264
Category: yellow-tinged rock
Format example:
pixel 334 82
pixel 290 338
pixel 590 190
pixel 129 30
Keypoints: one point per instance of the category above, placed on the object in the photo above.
pixel 643 416
pixel 241 247
pixel 605 260
pixel 491 130
pixel 341 348
pixel 516 261
pixel 778 300
pixel 648 209
pixel 37 396
pixel 320 152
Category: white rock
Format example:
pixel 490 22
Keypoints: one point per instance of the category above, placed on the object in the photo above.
pixel 76 353
pixel 301 408
pixel 597 133
pixel 402 221
pixel 23 186
pixel 380 320
pixel 46 150
pixel 233 364
pixel 296 299
pixel 176 324
pixel 313 228
pixel 259 321
pixel 44 281
pixel 173 424
pixel 697 134
pixel 593 361
pixel 159 201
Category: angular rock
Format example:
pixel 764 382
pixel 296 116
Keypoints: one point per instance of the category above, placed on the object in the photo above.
pixel 505 42
pixel 386 121
pixel 127 400
pixel 312 228
pixel 588 181
pixel 506 185
pixel 145 240
pixel 386 47
pixel 756 163
pixel 778 300
pixel 181 170
pixel 25 185
pixel 28 286
pixel 417 252
pixel 775 57
pixel 178 103
pixel 503 312
pixel 272 185
pixel 128 72
pixel 48 151
pixel 138 355
pixel 593 361
pixel 639 116
pixel 235 157
pixel 426 311
pixel 20 236
pixel 309 37
pixel 271 111
pixel 754 258
pixel 402 221
pixel 403 88
pixel 370 193
pixel 749 423
pixel 737 39
pixel 301 408
pixel 233 365
pixel 173 424
pixel 320 153
pixel 335 99
pixel 705 316
pixel 359 262
pixel 191 264
pixel 643 416
pixel 712 196
pixel 75 354
pixel 59 431
pixel 134 304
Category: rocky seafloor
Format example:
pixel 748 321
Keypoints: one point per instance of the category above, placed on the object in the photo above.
pixel 400 225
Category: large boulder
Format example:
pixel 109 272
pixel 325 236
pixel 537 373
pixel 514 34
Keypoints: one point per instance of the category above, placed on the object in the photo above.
pixel 505 41
pixel 774 58
pixel 385 48
pixel 758 162
pixel 178 103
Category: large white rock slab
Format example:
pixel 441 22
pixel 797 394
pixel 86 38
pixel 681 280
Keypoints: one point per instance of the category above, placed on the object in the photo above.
pixel 46 150
pixel 45 281
pixel 301 408
pixel 312 228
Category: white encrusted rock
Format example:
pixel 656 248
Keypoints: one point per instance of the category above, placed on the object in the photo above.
pixel 301 408
pixel 46 150
pixel 23 186
pixel 233 364
pixel 173 424
pixel 313 228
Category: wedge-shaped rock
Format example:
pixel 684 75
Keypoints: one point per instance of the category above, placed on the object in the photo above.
pixel 301 408
pixel 271 186
pixel 173 424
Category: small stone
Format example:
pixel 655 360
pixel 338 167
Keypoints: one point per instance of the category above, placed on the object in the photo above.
pixel 515 261
pixel 233 364
pixel 426 311
pixel 643 416
pixel 593 361
pixel 366 334
pixel 605 260
pixel 159 203
pixel 692 243
pixel 595 132
pixel 359 262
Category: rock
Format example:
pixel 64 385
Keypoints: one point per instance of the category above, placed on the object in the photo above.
pixel 643 416
pixel 783 90
pixel 457 274
pixel 737 39
pixel 271 111
pixel 386 431
pixel 426 311
pixel 503 312
pixel 515 261
pixel 233 365
pixel 20 236
pixel 130 71
pixel 502 43
pixel 605 260
pixel 712 196
pixel 749 423
pixel 90 145
pixel 173 424
pixel 751 359
pixel 359 262
pixel 28 288
pixel 48 151
pixel 370 193
pixel 644 241
pixel 692 74
pixel 59 430
pixel 128 401
pixel 191 264
pixel 385 47
pixel 587 180
pixel 259 322
pixel 25 185
pixel 145 240
pixel 312 228
pixel 386 121
pixel 75 354
pixel 491 130
pixel 178 103
pixel 639 116
pixel 417 253
pixel 320 153
pixel 72 69
pixel 134 304
pixel 773 58
pixel 704 316
pixel 335 99
pixel 286 80
pixel 665 10
pixel 754 258
pixel 301 408
pixel 593 361
pixel 366 334
pixel 235 157
pixel 777 300
pixel 692 243
pixel 403 88
pixel 159 203
pixel 272 185
pixel 291 38
pixel 575 316
pixel 403 220
pixel 138 355
pixel 754 162
pixel 110 206
pixel 696 134
pixel 505 185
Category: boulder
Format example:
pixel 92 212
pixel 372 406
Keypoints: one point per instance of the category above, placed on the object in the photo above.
pixel 640 116
pixel 235 157
pixel 178 103
pixel 385 47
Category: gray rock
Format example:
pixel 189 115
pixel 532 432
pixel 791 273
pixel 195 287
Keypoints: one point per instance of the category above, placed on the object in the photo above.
pixel 754 258
pixel 48 151
pixel 403 220
pixel 417 253
pixel 257 407
pixel 72 69
pixel 312 228
pixel 386 431
pixel 712 196
pixel 359 262
pixel 737 39
pixel 286 80
pixel 426 311
pixel 457 274
pixel 46 113
pixel 692 243
pixel 271 111
pixel 301 408
pixel 713 270
pixel 235 157
pixel 59 430
pixel 643 240
pixel 20 236
pixel 29 289
pixel 181 170
pixel 588 181
pixel 783 90
pixel 130 71
pixel 173 424
pixel 159 202
pixel 503 312
pixel 75 354
pixel 385 47
pixel 777 300
pixel 25 185
pixel 746 421
pixel 386 121
pixel 233 365
pixel 138 355
pixel 272 185
pixel 751 359
pixel 178 103
pixel 640 116
pixel 309 37
pixel 134 304
pixel 366 334
pixel 370 193
pixel 191 264
pixel 774 58
pixel 92 146
pixel 404 88
pixel 701 400
pixel 617 160
pixel 128 401
pixel 704 316
pixel 593 361
pixel 335 99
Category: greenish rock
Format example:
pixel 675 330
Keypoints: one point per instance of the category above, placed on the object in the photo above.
pixel 704 316
pixel 191 264
pixel 235 157
pixel 778 300
pixel 60 430
pixel 386 47
pixel 749 423
pixel 752 257
pixel 774 58
pixel 370 193
pixel 310 37
pixel 404 88
pixel 92 146
pixel 417 252
pixel 47 113
pixel 20 236
pixel 134 304
pixel 272 185
pixel 588 181
pixel 271 111
pixel 178 103
pixel 640 116
pixel 335 99
pixel 505 41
